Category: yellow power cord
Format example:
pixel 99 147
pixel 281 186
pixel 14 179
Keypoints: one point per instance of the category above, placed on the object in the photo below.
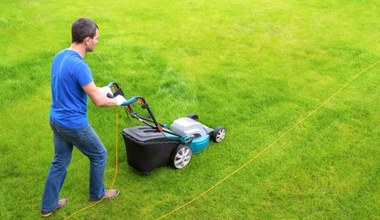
pixel 237 170
pixel 270 145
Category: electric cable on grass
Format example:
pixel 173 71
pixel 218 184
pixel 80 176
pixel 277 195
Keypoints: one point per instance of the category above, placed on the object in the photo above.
pixel 270 145
pixel 238 169
pixel 116 165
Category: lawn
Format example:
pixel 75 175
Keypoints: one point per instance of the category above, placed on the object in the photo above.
pixel 296 84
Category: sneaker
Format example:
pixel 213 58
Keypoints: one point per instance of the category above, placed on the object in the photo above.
pixel 61 204
pixel 110 194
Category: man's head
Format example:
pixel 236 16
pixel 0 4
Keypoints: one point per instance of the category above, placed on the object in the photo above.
pixel 85 31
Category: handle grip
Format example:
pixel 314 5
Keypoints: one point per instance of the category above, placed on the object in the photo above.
pixel 117 90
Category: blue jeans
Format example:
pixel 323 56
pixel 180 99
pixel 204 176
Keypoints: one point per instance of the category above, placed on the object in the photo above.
pixel 88 142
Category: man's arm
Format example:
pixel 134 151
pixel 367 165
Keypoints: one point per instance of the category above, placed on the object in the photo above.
pixel 96 97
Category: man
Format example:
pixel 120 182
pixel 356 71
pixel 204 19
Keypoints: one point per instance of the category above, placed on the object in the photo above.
pixel 71 83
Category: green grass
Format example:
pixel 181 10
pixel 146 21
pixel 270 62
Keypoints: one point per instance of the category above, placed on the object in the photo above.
pixel 256 67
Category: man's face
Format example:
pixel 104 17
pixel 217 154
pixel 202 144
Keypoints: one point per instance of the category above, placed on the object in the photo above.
pixel 91 42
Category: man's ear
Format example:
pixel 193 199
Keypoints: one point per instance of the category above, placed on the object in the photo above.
pixel 86 40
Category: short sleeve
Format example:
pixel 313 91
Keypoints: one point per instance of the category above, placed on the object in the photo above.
pixel 83 74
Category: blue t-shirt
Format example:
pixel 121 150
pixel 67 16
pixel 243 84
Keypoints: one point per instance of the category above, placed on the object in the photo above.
pixel 68 74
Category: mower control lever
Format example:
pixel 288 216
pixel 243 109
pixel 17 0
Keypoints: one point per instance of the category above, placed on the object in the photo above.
pixel 117 90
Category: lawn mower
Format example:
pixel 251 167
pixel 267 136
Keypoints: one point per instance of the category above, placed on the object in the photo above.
pixel 154 144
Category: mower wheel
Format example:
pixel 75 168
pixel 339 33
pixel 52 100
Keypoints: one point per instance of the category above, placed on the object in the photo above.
pixel 181 156
pixel 193 116
pixel 218 134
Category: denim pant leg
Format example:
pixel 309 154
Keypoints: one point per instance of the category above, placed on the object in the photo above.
pixel 57 171
pixel 90 145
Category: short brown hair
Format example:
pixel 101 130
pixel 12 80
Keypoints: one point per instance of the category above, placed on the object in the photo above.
pixel 82 28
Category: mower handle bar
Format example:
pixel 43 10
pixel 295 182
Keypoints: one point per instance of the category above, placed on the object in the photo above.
pixel 144 105
pixel 158 126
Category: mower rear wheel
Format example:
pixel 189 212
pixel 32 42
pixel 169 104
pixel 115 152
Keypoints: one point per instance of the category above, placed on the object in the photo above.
pixel 181 156
pixel 193 116
pixel 219 134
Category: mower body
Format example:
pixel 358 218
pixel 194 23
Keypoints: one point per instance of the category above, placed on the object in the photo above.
pixel 148 149
pixel 189 128
pixel 153 145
